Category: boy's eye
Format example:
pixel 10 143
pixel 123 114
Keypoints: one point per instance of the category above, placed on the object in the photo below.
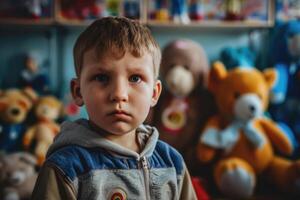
pixel 135 78
pixel 102 78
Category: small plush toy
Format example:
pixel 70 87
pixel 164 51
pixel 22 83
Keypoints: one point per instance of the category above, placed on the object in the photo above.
pixel 17 176
pixel 185 103
pixel 33 76
pixel 14 107
pixel 42 132
pixel 242 142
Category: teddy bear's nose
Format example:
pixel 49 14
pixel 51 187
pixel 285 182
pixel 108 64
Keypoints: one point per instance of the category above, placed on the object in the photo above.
pixel 15 111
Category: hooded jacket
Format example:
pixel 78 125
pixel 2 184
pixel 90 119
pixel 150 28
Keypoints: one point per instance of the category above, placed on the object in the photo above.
pixel 81 164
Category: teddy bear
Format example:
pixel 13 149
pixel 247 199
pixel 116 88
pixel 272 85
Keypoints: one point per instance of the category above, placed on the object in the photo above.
pixel 239 140
pixel 15 104
pixel 185 103
pixel 42 132
pixel 17 175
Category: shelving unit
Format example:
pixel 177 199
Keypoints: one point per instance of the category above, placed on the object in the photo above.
pixel 56 19
pixel 59 31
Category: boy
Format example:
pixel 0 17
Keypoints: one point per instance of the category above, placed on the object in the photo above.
pixel 113 155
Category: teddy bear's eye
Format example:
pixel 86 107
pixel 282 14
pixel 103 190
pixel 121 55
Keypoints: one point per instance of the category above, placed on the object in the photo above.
pixel 237 95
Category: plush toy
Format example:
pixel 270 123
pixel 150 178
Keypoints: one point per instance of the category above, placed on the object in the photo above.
pixel 285 104
pixel 42 132
pixel 185 103
pixel 240 139
pixel 237 57
pixel 33 76
pixel 14 107
pixel 17 176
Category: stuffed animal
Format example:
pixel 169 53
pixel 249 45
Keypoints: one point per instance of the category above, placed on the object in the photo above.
pixel 42 132
pixel 242 142
pixel 185 102
pixel 14 107
pixel 237 57
pixel 285 104
pixel 33 76
pixel 17 175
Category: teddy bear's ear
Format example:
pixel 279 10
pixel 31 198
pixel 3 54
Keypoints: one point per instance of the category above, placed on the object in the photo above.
pixel 216 74
pixel 270 76
pixel 30 93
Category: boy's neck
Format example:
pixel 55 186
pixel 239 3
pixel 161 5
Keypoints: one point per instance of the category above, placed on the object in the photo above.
pixel 129 140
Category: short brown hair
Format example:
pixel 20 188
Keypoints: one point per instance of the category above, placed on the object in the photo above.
pixel 116 35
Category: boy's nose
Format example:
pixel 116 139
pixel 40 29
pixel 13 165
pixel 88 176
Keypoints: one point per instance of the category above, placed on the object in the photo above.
pixel 119 92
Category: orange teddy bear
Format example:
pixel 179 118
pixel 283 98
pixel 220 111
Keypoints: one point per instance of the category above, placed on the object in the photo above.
pixel 240 139
pixel 47 110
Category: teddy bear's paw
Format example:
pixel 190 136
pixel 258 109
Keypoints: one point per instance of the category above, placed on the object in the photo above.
pixel 237 183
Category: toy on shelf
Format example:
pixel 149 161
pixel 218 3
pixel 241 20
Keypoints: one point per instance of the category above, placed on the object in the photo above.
pixel 113 7
pixel 196 10
pixel 17 176
pixel 161 11
pixel 14 107
pixel 233 9
pixel 240 140
pixel 179 11
pixel 29 9
pixel 42 132
pixel 82 9
pixel 131 9
pixel 185 103
pixel 34 77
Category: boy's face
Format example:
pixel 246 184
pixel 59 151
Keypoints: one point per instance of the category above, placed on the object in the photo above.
pixel 118 93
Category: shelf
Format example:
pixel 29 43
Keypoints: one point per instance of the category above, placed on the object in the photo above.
pixel 58 20
pixel 211 24
pixel 30 22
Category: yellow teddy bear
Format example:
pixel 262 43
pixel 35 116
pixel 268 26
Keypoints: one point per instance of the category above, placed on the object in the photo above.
pixel 42 132
pixel 240 139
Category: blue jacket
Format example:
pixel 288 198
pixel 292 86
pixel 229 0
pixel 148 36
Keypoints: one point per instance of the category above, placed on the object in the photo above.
pixel 87 166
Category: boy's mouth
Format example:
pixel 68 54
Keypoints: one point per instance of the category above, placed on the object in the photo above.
pixel 120 114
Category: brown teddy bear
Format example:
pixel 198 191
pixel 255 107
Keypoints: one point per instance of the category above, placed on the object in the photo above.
pixel 14 107
pixel 185 103
pixel 17 175
pixel 240 139
pixel 42 132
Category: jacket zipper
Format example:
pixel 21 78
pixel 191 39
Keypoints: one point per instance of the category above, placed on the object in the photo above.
pixel 146 176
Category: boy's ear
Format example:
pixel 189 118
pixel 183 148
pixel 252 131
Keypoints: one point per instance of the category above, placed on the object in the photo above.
pixel 156 92
pixel 75 90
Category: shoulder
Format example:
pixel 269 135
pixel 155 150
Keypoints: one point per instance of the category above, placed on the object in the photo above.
pixel 170 156
pixel 74 160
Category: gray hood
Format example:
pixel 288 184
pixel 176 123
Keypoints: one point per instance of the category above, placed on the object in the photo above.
pixel 79 133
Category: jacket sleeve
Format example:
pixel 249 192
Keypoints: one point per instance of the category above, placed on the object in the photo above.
pixel 52 185
pixel 186 189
